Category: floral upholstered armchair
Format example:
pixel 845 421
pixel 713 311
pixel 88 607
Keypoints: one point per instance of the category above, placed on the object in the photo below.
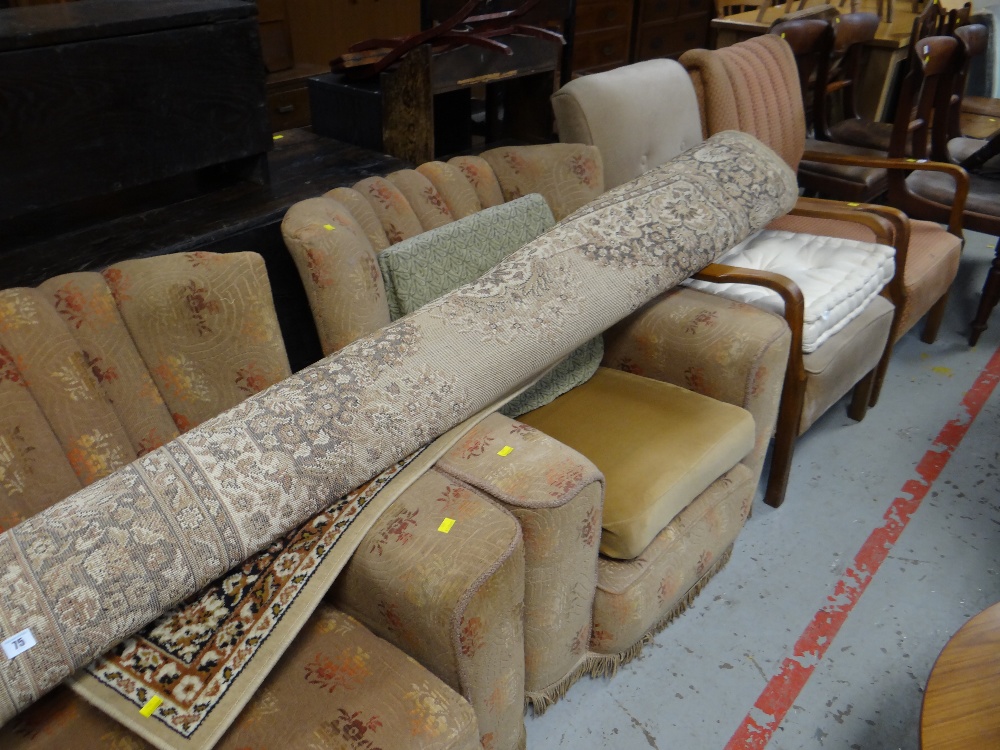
pixel 694 342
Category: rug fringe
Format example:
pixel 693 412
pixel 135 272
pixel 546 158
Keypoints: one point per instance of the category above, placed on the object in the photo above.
pixel 606 665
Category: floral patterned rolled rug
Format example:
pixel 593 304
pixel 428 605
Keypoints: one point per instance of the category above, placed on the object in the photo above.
pixel 97 567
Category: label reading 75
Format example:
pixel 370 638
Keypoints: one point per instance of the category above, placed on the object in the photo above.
pixel 18 643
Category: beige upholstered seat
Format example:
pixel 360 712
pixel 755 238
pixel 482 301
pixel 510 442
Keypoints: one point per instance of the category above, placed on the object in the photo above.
pixel 658 446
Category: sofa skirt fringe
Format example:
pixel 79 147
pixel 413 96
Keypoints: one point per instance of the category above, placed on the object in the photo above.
pixel 606 665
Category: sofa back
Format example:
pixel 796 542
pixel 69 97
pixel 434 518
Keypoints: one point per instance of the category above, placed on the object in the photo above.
pixel 98 369
pixel 335 239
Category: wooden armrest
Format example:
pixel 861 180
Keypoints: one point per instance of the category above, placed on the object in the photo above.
pixel 787 289
pixel 960 176
pixel 880 226
pixel 900 223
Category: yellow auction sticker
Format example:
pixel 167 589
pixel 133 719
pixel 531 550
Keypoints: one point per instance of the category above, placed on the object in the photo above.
pixel 446 525
pixel 151 705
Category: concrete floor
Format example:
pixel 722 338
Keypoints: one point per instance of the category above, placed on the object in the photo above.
pixel 739 669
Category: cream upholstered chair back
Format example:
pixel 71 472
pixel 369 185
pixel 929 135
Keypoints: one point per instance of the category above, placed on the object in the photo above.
pixel 638 116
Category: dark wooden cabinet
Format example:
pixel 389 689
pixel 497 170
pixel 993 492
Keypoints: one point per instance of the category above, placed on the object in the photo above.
pixel 602 35
pixel 611 33
pixel 104 96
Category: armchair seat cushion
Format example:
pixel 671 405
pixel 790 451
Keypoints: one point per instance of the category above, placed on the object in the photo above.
pixel 658 445
pixel 838 277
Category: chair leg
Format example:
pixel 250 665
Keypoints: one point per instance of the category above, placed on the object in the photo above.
pixel 991 295
pixel 934 318
pixel 878 374
pixel 862 395
pixel 785 435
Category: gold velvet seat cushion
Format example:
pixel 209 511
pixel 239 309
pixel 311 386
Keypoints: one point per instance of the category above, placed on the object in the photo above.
pixel 658 445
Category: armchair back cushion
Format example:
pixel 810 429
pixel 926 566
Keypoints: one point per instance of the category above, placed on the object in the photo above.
pixel 205 326
pixel 336 262
pixel 422 268
pixel 614 110
pixel 568 175
pixel 752 87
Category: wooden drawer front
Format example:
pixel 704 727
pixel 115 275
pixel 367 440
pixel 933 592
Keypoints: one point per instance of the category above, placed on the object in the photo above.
pixel 604 14
pixel 651 11
pixel 289 109
pixel 671 38
pixel 600 48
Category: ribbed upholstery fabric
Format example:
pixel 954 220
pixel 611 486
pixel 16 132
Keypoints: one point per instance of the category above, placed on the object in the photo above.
pixel 84 302
pixel 752 87
pixel 423 197
pixel 398 219
pixel 338 268
pixel 480 176
pixel 364 214
pixel 453 186
pixel 205 326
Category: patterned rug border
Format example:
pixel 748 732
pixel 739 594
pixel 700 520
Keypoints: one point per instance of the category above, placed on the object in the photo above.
pixel 265 654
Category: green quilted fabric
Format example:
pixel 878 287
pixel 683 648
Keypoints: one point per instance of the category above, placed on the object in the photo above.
pixel 435 262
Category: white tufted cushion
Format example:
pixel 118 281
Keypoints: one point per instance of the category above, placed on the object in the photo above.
pixel 838 277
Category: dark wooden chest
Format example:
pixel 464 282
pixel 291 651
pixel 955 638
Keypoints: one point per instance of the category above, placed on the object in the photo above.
pixel 100 96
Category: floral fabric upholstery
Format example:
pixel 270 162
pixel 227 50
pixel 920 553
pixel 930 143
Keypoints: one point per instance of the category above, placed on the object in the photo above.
pixel 71 338
pixel 398 219
pixel 480 175
pixel 635 598
pixel 454 188
pixel 34 469
pixel 86 305
pixel 337 686
pixel 555 494
pixel 205 326
pixel 364 214
pixel 337 264
pixel 430 208
pixel 569 175
pixel 726 350
pixel 450 596
pixel 62 381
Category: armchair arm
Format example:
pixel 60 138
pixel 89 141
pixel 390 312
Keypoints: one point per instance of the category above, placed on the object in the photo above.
pixel 960 176
pixel 728 350
pixel 901 236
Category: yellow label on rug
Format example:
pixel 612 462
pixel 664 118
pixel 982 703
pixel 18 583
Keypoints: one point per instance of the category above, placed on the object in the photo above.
pixel 446 525
pixel 505 451
pixel 329 227
pixel 277 137
pixel 151 705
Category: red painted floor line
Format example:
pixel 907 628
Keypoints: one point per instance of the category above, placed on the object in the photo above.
pixel 773 704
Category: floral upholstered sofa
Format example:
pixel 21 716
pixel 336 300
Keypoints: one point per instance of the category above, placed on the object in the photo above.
pixel 98 370
pixel 180 588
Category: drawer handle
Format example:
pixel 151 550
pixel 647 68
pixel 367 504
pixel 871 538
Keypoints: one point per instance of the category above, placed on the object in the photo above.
pixel 656 42
pixel 690 36
pixel 607 50
pixel 609 15
pixel 287 109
